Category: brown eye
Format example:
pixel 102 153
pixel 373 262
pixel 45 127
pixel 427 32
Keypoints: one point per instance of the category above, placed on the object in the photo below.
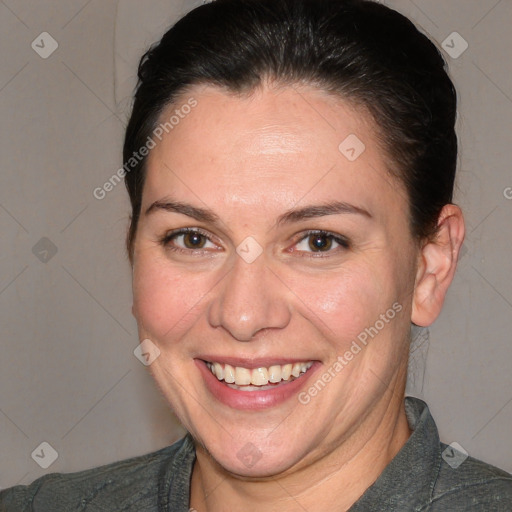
pixel 188 240
pixel 194 240
pixel 320 242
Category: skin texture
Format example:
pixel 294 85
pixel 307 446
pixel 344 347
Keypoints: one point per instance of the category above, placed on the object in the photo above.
pixel 249 159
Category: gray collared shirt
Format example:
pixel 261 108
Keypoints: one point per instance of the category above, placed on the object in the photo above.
pixel 417 479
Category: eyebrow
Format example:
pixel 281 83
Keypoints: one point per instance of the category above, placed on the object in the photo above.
pixel 200 214
pixel 321 210
pixel 289 217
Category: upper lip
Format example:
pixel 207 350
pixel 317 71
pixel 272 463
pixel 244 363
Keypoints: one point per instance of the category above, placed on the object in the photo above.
pixel 260 362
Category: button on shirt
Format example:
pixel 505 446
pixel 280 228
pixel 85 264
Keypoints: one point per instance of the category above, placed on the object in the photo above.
pixel 417 479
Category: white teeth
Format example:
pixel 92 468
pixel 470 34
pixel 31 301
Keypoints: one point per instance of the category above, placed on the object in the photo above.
pixel 242 376
pixel 259 377
pixel 274 374
pixel 286 371
pixel 229 374
pixel 249 378
pixel 218 371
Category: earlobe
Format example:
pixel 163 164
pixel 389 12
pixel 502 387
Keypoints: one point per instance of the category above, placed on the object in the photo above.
pixel 436 267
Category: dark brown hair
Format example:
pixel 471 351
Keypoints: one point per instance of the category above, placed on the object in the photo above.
pixel 361 50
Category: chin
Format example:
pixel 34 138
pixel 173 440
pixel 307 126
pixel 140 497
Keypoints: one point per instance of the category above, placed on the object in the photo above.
pixel 251 462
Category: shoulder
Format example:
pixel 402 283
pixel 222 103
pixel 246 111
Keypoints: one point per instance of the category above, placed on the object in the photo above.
pixel 472 485
pixel 131 484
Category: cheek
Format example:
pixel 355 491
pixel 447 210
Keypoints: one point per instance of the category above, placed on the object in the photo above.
pixel 344 303
pixel 166 301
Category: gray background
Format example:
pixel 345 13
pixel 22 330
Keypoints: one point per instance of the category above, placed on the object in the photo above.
pixel 68 375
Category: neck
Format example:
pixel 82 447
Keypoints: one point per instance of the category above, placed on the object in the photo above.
pixel 345 472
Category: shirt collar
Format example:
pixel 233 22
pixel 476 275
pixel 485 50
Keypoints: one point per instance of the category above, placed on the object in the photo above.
pixel 409 479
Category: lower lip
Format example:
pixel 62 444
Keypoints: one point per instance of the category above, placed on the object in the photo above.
pixel 253 400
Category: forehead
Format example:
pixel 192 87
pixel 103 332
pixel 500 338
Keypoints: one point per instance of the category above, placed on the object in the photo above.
pixel 276 146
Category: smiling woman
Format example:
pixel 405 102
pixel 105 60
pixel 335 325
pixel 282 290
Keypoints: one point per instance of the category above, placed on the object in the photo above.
pixel 285 234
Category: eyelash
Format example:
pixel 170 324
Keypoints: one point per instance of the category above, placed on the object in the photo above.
pixel 340 240
pixel 343 243
pixel 168 237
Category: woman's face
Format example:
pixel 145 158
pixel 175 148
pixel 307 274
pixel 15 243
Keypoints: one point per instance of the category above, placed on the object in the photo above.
pixel 297 250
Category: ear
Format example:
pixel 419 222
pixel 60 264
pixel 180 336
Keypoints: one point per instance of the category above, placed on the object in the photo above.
pixel 437 264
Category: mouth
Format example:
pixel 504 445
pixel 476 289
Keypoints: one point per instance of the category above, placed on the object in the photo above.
pixel 257 379
pixel 252 385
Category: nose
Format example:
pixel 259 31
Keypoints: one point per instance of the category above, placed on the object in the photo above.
pixel 250 299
